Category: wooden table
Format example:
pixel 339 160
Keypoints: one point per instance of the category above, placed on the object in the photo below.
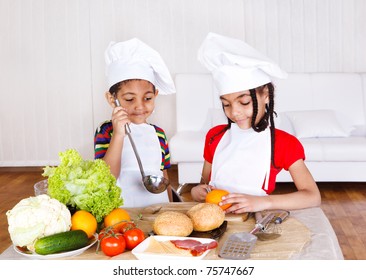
pixel 306 234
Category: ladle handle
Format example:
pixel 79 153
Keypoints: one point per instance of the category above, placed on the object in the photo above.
pixel 128 132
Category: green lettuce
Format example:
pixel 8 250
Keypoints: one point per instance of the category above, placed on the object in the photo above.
pixel 83 184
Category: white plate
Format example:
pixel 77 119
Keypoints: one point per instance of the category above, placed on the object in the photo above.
pixel 73 253
pixel 139 250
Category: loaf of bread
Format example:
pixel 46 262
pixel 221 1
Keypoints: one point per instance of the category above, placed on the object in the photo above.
pixel 173 223
pixel 206 216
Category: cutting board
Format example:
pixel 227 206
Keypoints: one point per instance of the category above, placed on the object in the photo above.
pixel 294 234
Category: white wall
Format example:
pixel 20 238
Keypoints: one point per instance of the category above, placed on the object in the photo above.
pixel 52 79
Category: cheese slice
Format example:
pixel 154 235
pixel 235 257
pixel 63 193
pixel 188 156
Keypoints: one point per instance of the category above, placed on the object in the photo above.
pixel 165 247
pixel 155 247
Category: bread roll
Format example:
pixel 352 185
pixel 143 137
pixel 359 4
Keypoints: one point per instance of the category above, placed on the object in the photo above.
pixel 206 216
pixel 173 223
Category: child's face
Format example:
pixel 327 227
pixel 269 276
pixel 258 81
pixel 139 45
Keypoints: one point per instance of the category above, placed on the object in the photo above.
pixel 238 107
pixel 138 98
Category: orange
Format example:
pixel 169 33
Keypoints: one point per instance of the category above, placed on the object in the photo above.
pixel 85 221
pixel 116 218
pixel 215 196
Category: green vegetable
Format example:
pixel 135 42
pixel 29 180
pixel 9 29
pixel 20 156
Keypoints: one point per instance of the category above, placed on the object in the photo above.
pixel 61 242
pixel 35 217
pixel 84 184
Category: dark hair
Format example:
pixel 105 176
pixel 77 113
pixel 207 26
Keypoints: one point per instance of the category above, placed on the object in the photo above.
pixel 263 123
pixel 116 87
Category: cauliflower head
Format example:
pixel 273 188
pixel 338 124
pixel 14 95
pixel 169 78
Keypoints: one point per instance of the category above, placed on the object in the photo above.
pixel 36 217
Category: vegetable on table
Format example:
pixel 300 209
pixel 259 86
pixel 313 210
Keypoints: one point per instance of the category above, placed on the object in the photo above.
pixel 83 184
pixel 133 237
pixel 61 242
pixel 113 244
pixel 35 217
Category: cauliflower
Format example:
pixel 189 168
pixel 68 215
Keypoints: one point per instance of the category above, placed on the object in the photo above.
pixel 35 217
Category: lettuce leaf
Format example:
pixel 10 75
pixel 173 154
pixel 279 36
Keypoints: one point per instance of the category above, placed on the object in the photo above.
pixel 83 184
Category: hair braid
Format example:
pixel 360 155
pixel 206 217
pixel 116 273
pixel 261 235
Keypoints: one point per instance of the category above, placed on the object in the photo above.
pixel 267 117
pixel 271 113
pixel 253 94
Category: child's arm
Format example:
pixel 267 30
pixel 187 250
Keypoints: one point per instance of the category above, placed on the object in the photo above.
pixel 113 155
pixel 307 195
pixel 199 192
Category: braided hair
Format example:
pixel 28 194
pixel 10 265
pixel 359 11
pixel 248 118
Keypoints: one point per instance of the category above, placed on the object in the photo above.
pixel 268 117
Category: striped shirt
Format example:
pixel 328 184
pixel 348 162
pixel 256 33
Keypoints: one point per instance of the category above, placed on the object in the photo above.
pixel 104 133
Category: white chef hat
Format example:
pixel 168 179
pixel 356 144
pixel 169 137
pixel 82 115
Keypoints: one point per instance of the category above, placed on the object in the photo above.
pixel 133 59
pixel 236 66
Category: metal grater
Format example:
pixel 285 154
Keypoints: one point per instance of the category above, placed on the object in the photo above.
pixel 238 246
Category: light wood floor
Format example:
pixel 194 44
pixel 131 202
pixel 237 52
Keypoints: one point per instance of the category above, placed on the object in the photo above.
pixel 343 203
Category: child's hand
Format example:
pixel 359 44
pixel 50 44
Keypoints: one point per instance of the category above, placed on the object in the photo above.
pixel 243 203
pixel 199 192
pixel 119 120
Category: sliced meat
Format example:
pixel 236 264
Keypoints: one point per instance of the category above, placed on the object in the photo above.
pixel 197 248
pixel 200 249
pixel 185 243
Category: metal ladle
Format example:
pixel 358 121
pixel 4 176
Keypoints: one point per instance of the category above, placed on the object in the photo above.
pixel 153 183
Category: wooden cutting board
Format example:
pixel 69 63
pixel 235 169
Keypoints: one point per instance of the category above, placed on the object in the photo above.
pixel 294 234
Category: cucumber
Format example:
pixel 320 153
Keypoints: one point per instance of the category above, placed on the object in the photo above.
pixel 61 242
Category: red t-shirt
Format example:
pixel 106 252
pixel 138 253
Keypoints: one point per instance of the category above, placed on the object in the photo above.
pixel 288 150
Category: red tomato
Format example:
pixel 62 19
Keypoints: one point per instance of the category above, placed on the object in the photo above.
pixel 107 232
pixel 113 245
pixel 127 226
pixel 133 237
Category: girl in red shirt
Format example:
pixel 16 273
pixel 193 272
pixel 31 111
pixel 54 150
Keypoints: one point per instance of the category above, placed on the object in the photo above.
pixel 244 156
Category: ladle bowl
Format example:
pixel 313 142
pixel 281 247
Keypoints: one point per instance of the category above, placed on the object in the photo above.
pixel 155 184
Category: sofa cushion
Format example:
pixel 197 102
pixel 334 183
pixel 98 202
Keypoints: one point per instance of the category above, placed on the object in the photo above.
pixel 351 149
pixel 341 92
pixel 318 123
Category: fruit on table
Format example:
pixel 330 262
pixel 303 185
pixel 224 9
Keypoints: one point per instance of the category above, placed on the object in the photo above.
pixel 85 221
pixel 215 197
pixel 61 242
pixel 117 218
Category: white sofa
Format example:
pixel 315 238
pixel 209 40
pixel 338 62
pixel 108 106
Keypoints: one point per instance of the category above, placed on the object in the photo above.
pixel 326 111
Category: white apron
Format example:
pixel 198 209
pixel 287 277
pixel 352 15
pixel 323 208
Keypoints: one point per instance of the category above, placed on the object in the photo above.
pixel 242 161
pixel 147 144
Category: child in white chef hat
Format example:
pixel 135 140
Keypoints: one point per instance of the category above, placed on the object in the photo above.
pixel 244 156
pixel 136 73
